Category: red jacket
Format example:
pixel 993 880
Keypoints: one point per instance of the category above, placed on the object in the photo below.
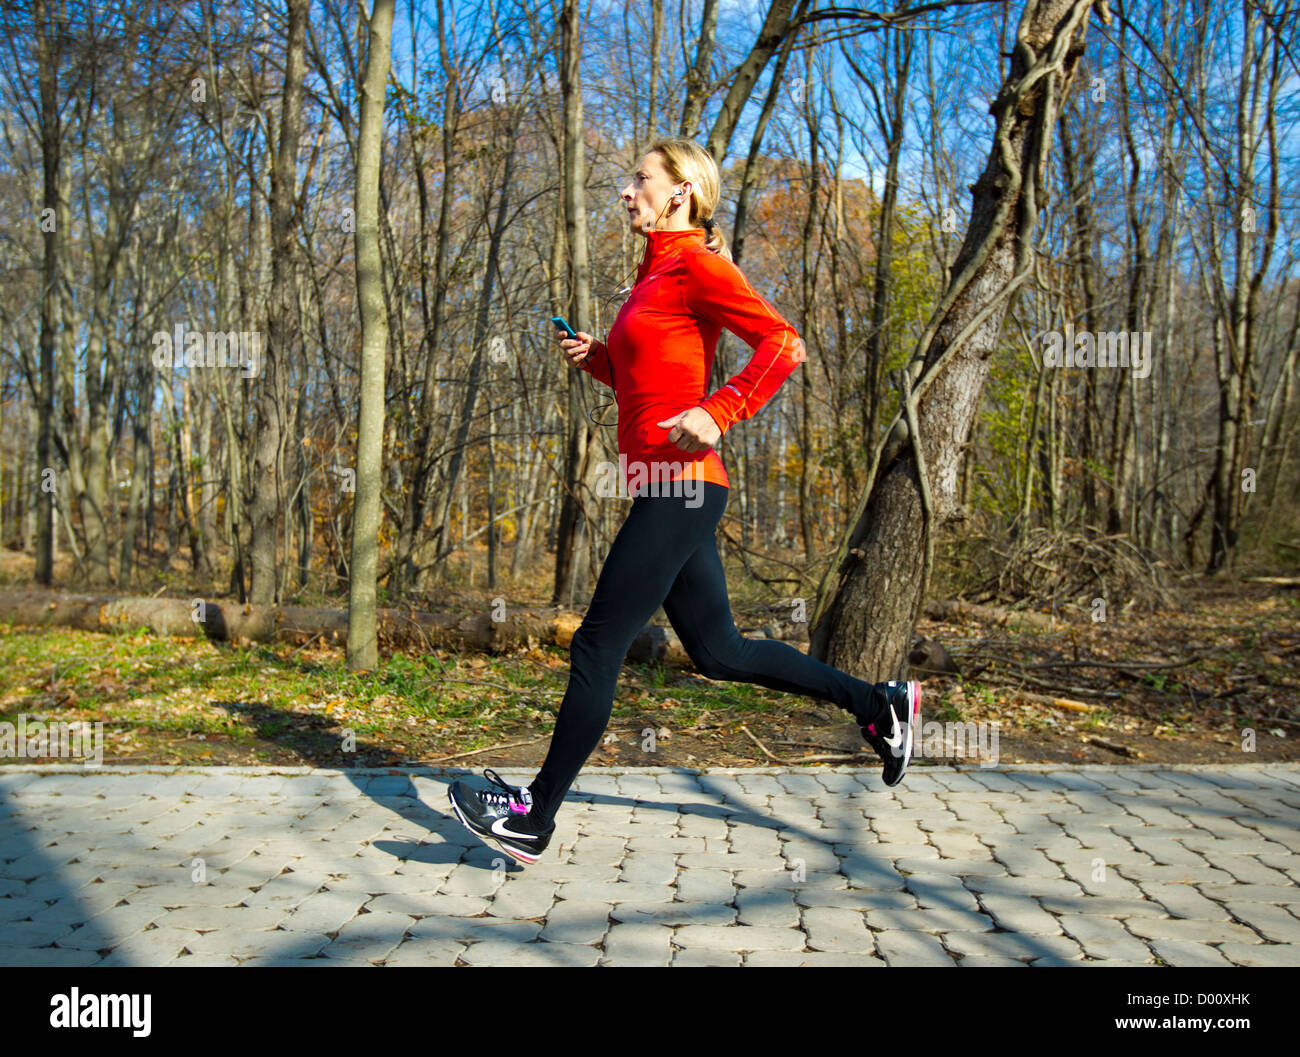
pixel 659 355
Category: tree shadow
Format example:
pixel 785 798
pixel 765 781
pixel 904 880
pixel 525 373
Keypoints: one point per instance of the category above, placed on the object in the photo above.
pixel 58 916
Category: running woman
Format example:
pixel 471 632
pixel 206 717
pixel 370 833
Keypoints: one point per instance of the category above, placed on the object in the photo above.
pixel 658 359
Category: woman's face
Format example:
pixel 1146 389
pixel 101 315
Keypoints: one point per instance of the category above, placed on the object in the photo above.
pixel 646 195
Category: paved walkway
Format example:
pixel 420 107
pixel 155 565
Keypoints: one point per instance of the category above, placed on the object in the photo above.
pixel 762 866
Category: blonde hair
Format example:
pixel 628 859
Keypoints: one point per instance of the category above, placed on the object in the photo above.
pixel 684 159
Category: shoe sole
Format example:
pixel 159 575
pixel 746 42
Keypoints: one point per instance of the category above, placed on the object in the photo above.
pixel 491 841
pixel 914 705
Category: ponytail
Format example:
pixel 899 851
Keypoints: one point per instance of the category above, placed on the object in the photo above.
pixel 714 239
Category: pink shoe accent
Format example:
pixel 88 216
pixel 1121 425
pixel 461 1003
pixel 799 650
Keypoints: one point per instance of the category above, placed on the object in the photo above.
pixel 518 808
pixel 872 727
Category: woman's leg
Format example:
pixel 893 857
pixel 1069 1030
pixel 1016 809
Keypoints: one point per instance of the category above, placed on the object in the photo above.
pixel 700 612
pixel 660 533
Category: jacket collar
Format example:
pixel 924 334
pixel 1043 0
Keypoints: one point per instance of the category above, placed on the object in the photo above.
pixel 662 244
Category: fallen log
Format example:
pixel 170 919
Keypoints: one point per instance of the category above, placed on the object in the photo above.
pixel 1066 703
pixel 956 610
pixel 497 630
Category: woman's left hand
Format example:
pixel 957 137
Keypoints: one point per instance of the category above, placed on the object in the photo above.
pixel 692 430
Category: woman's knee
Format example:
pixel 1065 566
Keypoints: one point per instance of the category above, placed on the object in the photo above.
pixel 594 650
pixel 722 659
pixel 584 647
pixel 710 669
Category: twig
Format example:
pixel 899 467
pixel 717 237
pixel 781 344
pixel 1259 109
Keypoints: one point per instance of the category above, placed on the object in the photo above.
pixel 761 746
pixel 825 758
pixel 502 686
pixel 816 745
pixel 817 758
pixel 1087 690
pixel 1144 665
pixel 306 644
pixel 1122 750
pixel 490 748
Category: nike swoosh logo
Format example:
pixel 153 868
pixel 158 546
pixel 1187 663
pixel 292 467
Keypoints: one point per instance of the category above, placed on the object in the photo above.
pixel 896 740
pixel 499 828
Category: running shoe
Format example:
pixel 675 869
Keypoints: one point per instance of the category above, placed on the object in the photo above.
pixel 904 715
pixel 501 814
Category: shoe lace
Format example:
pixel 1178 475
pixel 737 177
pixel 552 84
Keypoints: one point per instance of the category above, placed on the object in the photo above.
pixel 508 792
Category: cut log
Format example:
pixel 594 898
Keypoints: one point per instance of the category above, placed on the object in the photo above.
pixel 1066 703
pixel 398 629
pixel 956 610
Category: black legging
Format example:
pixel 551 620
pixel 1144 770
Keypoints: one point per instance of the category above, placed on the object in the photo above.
pixel 665 554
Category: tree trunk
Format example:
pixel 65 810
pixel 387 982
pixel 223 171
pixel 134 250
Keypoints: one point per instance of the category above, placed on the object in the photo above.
pixel 52 235
pixel 273 380
pixel 863 623
pixel 363 646
pixel 406 571
pixel 572 549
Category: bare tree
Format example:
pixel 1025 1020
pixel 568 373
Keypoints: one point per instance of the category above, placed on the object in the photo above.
pixel 572 553
pixel 267 503
pixel 865 616
pixel 363 647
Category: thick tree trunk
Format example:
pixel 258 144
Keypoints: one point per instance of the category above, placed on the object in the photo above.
pixel 363 646
pixel 52 234
pixel 572 549
pixel 433 306
pixel 273 379
pixel 865 615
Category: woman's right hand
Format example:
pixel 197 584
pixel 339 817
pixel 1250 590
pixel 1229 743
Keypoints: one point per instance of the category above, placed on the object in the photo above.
pixel 575 349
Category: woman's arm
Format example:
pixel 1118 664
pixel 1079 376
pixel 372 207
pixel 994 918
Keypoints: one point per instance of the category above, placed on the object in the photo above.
pixel 597 363
pixel 717 290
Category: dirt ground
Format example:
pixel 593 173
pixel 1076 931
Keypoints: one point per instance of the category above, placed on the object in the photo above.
pixel 1214 681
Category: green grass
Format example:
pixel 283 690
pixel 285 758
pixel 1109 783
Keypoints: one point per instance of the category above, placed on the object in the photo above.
pixel 1096 720
pixel 166 690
